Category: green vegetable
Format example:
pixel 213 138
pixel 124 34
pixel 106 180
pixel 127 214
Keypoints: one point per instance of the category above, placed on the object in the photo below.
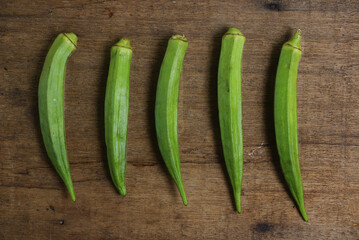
pixel 51 105
pixel 116 111
pixel 230 107
pixel 285 118
pixel 166 108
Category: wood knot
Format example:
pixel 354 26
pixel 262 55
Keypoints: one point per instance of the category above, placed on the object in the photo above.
pixel 263 227
pixel 274 6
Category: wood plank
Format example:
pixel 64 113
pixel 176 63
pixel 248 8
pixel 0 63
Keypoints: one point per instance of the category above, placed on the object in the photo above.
pixel 33 201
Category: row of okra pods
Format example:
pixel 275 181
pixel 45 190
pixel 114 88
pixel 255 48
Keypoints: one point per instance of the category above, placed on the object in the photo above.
pixel 51 109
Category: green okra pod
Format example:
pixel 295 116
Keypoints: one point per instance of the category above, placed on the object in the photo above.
pixel 116 112
pixel 166 108
pixel 230 107
pixel 285 118
pixel 51 105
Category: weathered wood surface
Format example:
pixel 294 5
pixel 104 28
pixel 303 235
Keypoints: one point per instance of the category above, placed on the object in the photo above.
pixel 33 201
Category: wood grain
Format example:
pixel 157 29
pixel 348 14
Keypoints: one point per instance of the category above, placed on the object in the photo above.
pixel 33 201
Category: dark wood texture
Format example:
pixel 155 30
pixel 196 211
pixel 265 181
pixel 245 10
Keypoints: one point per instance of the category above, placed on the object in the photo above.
pixel 34 203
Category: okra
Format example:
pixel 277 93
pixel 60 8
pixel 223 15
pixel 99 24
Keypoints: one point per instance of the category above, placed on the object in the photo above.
pixel 166 108
pixel 230 108
pixel 285 118
pixel 116 112
pixel 51 105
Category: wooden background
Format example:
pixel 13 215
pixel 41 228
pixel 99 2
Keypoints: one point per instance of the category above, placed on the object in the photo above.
pixel 34 203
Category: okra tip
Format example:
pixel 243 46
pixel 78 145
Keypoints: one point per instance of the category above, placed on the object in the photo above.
pixel 182 192
pixel 237 200
pixel 72 194
pixel 302 211
pixel 122 190
pixel 305 217
pixel 238 208
pixel 70 188
pixel 124 42
pixel 179 37
pixel 184 200
pixel 72 38
pixel 233 31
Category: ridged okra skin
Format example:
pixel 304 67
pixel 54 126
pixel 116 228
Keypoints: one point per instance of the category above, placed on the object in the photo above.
pixel 230 107
pixel 116 112
pixel 51 105
pixel 285 118
pixel 166 108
